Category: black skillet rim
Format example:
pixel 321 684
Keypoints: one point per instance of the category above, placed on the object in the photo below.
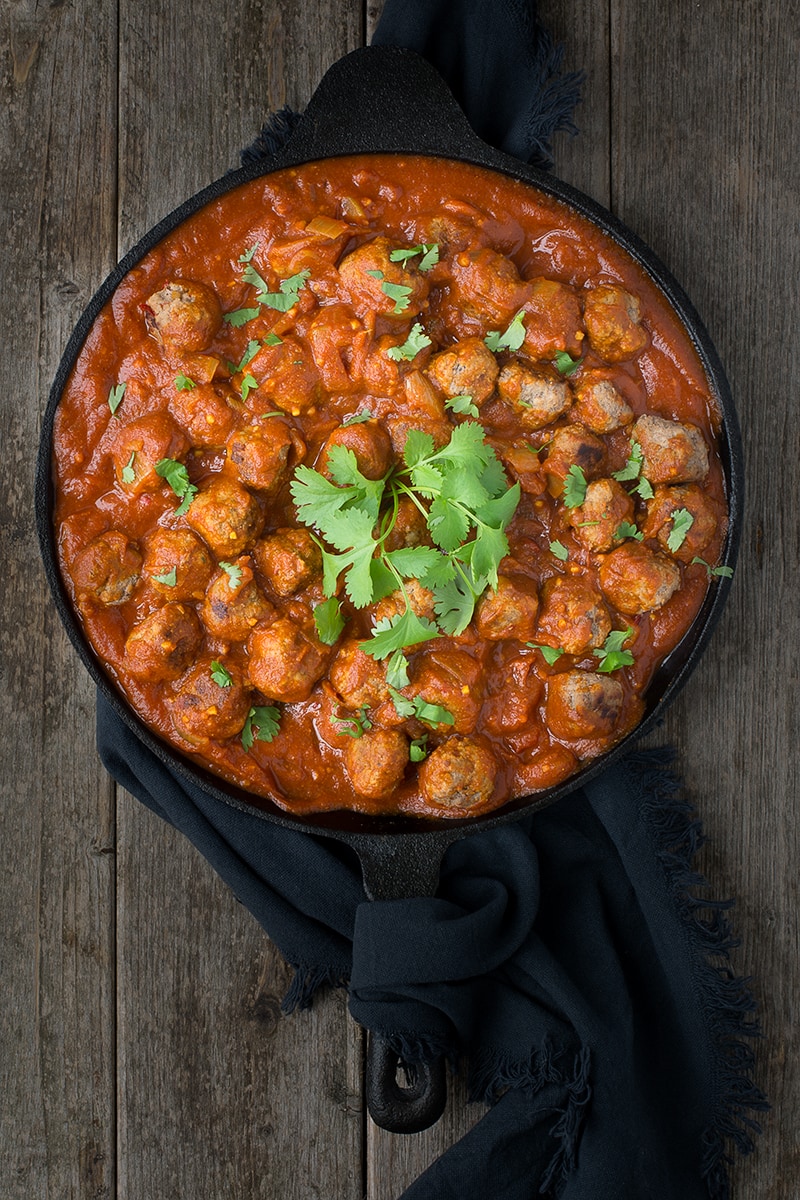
pixel 375 71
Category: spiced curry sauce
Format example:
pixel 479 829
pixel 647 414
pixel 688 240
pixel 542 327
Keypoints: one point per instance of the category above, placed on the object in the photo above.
pixel 590 368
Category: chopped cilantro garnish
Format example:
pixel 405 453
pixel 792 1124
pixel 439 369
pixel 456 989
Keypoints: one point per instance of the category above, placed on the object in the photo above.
pixel 512 338
pixel 714 572
pixel 115 397
pixel 397 670
pixel 272 339
pixel 559 550
pixel 240 316
pixel 220 675
pixel 430 714
pixel 169 578
pixel 183 383
pixel 417 340
pixel 611 654
pixel 462 404
pixel 633 466
pixel 287 295
pixel 248 254
pixel 627 529
pixel 234 573
pixel 249 384
pixel 565 364
pixel 644 489
pixel 574 487
pixel 682 522
pixel 550 654
pixel 428 250
pixel 357 418
pixel 329 620
pixel 128 474
pixel 418 750
pixel 262 723
pixel 399 293
pixel 177 477
pixel 355 725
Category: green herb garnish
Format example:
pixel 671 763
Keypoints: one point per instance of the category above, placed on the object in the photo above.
pixel 128 474
pixel 550 654
pixel 417 340
pixel 611 654
pixel 559 550
pixel 234 573
pixel 169 578
pixel 429 714
pixel 397 670
pixel 462 404
pixel 183 383
pixel 354 726
pixel 249 384
pixel 240 316
pixel 512 338
pixel 574 487
pixel 428 250
pixel 115 397
pixel 714 572
pixel 177 477
pixel 565 364
pixel 287 295
pixel 357 418
pixel 418 750
pixel 220 675
pixel 682 522
pixel 248 254
pixel 399 293
pixel 627 529
pixel 262 723
pixel 329 620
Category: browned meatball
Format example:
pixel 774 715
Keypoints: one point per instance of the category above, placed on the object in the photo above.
pixel 204 708
pixel 376 762
pixel 331 335
pixel 673 452
pixel 572 445
pixel 287 378
pixel 164 644
pixel 208 412
pixel 370 443
pixel 226 515
pixel 357 677
pixel 264 452
pixel 139 445
pixel 553 320
pixel 371 277
pixel 613 322
pixel 637 579
pixel 466 369
pixel 107 569
pixel 573 616
pixel 510 610
pixel 184 314
pixel 599 404
pixel 284 663
pixel 452 680
pixel 583 704
pixel 537 396
pixel 487 285
pixel 704 511
pixel 410 527
pixel 289 559
pixel 598 519
pixel 234 603
pixel 180 555
pixel 458 775
pixel 420 598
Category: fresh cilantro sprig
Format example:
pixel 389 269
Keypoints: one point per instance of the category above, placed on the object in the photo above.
pixel 263 723
pixel 234 573
pixel 463 494
pixel 611 654
pixel 177 477
pixel 220 674
pixel 128 474
pixel 288 289
pixel 559 550
pixel 183 383
pixel 421 709
pixel 169 578
pixel 682 522
pixel 574 487
pixel 550 654
pixel 633 470
pixel 115 397
pixel 399 293
pixel 565 364
pixel 428 250
pixel 418 750
pixel 417 340
pixel 626 529
pixel 721 572
pixel 464 405
pixel 329 621
pixel 511 338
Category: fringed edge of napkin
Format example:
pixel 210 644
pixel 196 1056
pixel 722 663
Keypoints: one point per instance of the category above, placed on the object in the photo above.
pixel 727 1000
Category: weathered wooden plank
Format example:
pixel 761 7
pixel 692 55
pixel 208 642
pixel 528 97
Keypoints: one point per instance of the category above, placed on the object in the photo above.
pixel 218 1094
pixel 705 169
pixel 57 174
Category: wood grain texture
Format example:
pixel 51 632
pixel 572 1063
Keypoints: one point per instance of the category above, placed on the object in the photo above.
pixel 140 1002
pixel 57 173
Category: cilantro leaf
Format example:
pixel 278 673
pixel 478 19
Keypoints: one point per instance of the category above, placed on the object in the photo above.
pixel 248 254
pixel 627 529
pixel 357 418
pixel 714 572
pixel 220 675
pixel 177 477
pixel 240 316
pixel 565 364
pixel 272 339
pixel 432 714
pixel 183 383
pixel 559 550
pixel 418 750
pixel 128 474
pixel 682 522
pixel 249 384
pixel 428 250
pixel 644 488
pixel 550 654
pixel 395 633
pixel 263 722
pixel 287 295
pixel 115 397
pixel 253 347
pixel 169 578
pixel 454 604
pixel 355 725
pixel 464 405
pixel 397 670
pixel 417 340
pixel 512 337
pixel 574 487
pixel 329 620
pixel 234 573
pixel 399 293
pixel 633 466
pixel 611 654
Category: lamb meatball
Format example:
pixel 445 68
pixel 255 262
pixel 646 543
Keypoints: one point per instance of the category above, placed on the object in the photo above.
pixel 287 378
pixel 552 320
pixel 107 569
pixel 537 396
pixel 613 323
pixel 208 412
pixel 583 704
pixel 599 404
pixel 452 680
pixel 572 616
pixel 370 443
pixel 357 677
pixel 226 516
pixel 164 644
pixel 605 507
pixel 204 708
pixel 366 270
pixel 673 452
pixel 410 527
pixel 486 285
pixel 264 452
pixel 420 598
pixel 179 551
pixel 284 663
pixel 704 511
pixel 184 314
pixel 510 610
pixel 289 559
pixel 234 603
pixel 142 443
pixel 572 445
pixel 637 579
pixel 458 775
pixel 467 368
pixel 376 762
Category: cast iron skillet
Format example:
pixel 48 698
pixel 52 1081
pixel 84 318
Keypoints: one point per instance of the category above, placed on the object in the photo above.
pixel 380 99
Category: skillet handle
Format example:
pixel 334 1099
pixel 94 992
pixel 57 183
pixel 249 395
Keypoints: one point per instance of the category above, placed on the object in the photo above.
pixel 397 867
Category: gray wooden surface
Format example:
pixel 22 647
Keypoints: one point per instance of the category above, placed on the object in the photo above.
pixel 142 1052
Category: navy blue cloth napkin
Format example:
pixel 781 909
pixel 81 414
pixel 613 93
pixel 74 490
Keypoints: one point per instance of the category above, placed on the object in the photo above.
pixel 569 961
